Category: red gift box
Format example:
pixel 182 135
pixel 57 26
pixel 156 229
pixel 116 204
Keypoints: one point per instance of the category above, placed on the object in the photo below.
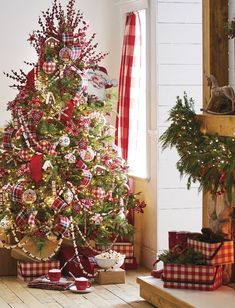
pixel 196 277
pixel 215 253
pixel 28 271
pixel 68 254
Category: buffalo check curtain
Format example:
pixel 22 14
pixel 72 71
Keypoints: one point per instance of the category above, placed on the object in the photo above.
pixel 127 121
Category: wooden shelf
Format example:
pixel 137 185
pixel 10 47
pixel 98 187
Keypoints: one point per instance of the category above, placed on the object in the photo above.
pixel 151 289
pixel 223 125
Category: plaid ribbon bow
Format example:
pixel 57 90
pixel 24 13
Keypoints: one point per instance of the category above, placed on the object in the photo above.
pixel 17 191
pixel 68 38
pixel 22 218
pixel 7 138
pixel 59 204
pixel 62 226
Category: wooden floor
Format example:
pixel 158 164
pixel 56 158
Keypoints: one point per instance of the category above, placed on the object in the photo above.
pixel 15 293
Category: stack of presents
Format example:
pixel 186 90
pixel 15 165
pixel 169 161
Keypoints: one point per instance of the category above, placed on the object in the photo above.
pixel 16 262
pixel 195 261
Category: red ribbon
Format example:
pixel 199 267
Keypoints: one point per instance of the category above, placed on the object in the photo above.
pixel 35 167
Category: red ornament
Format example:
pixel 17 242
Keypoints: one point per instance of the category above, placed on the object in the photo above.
pixel 99 193
pixel 49 67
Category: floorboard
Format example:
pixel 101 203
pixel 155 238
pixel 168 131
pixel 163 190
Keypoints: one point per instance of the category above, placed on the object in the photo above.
pixel 15 294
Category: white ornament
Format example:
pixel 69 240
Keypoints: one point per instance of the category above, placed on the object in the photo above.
pixel 87 155
pixel 71 158
pixel 47 165
pixel 29 196
pixel 68 196
pixel 64 141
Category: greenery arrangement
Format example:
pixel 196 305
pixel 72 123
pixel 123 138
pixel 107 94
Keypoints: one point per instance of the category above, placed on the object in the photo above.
pixel 208 159
pixel 188 256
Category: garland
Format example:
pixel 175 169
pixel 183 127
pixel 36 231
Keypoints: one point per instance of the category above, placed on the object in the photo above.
pixel 208 159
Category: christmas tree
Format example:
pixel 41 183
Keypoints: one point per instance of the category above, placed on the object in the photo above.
pixel 60 170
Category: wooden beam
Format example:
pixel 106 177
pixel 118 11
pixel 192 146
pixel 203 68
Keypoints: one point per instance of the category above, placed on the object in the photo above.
pixel 215 58
pixel 215 43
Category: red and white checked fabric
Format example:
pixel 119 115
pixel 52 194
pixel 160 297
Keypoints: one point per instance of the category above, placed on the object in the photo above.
pixel 25 155
pixel 59 204
pixel 62 226
pixel 31 219
pixel 127 81
pixel 207 281
pixel 7 136
pixel 99 193
pixel 86 178
pixel 22 218
pixel 125 248
pixel 27 271
pixel 75 52
pixel 68 38
pixel 17 191
pixel 52 150
pixel 221 254
pixel 49 67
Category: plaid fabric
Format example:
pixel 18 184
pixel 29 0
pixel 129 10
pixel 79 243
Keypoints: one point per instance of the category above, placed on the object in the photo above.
pixel 126 81
pixel 31 219
pixel 63 225
pixel 17 191
pixel 7 138
pixel 59 204
pixel 75 52
pixel 24 169
pixel 44 145
pixel 25 155
pixel 80 164
pixel 99 193
pixel 87 176
pixel 52 149
pixel 21 218
pixel 44 283
pixel 86 203
pixel 68 38
pixel 27 271
pixel 49 67
pixel 214 252
pixel 196 277
pixel 126 249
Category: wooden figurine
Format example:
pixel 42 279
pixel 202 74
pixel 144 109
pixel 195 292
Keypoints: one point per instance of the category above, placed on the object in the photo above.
pixel 222 100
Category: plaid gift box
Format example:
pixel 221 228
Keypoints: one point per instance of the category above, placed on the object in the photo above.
pixel 68 38
pixel 196 277
pixel 215 253
pixel 59 204
pixel 28 271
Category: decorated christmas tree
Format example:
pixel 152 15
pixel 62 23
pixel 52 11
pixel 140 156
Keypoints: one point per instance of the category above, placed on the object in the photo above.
pixel 61 173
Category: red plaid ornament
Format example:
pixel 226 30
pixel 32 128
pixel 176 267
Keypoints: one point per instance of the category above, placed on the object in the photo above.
pixel 80 164
pixel 22 218
pixel 25 155
pixel 59 204
pixel 75 52
pixel 99 193
pixel 31 219
pixel 17 191
pixel 52 149
pixel 68 38
pixel 49 67
pixel 7 136
pixel 62 226
pixel 87 176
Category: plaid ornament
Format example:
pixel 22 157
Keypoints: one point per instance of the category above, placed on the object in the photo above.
pixel 62 226
pixel 80 164
pixel 31 219
pixel 22 218
pixel 17 191
pixel 7 136
pixel 87 176
pixel 49 67
pixel 196 277
pixel 25 155
pixel 215 253
pixel 99 193
pixel 75 52
pixel 52 149
pixel 59 204
pixel 68 38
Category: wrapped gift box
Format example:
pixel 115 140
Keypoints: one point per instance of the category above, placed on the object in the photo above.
pixel 215 253
pixel 196 277
pixel 28 271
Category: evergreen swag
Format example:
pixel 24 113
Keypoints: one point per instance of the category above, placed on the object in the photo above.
pixel 208 159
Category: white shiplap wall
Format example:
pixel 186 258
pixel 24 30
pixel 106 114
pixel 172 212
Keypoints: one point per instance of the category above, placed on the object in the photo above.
pixel 179 65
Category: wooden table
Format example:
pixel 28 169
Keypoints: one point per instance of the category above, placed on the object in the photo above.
pixel 151 289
